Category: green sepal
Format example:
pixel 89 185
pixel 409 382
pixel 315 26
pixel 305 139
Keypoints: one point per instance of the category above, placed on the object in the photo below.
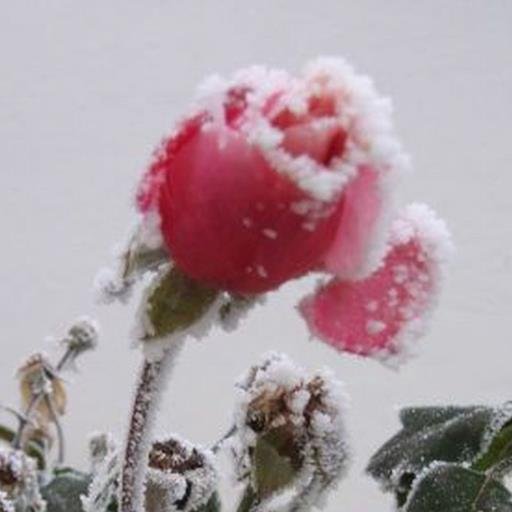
pixel 175 303
pixel 276 461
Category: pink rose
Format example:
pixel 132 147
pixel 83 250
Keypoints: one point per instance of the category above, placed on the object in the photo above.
pixel 271 177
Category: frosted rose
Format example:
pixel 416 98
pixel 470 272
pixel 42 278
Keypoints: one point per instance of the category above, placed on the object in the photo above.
pixel 271 177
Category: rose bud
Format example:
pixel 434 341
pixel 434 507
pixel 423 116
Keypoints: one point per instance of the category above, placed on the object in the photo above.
pixel 179 477
pixel 18 481
pixel 289 433
pixel 270 177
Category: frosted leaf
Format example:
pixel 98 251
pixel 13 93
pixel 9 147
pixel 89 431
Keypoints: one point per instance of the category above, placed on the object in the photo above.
pixel 475 437
pixel 431 434
pixel 448 487
pixel 64 491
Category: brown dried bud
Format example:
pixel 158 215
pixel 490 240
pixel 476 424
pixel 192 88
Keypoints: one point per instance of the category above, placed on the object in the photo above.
pixel 180 477
pixel 18 481
pixel 289 430
pixel 38 378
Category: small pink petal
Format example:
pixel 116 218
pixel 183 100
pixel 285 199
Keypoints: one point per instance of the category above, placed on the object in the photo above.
pixel 359 240
pixel 378 315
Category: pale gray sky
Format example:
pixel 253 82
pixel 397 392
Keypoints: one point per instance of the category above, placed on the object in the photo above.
pixel 88 88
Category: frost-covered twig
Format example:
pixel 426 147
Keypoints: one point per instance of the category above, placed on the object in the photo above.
pixel 60 433
pixel 41 382
pixel 218 445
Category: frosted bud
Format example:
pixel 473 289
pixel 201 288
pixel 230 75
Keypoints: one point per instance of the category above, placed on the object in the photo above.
pixel 179 477
pixel 18 482
pixel 104 460
pixel 82 336
pixel 101 445
pixel 290 431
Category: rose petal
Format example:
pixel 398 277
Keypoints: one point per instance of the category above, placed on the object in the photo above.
pixel 359 240
pixel 322 144
pixel 233 222
pixel 379 315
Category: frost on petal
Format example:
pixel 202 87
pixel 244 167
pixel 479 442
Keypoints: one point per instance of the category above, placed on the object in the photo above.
pixel 360 237
pixel 379 315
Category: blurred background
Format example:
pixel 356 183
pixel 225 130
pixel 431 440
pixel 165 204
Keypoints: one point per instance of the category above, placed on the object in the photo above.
pixel 88 88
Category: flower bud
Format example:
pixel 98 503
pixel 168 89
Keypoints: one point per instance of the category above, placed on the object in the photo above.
pixel 104 460
pixel 180 477
pixel 289 432
pixel 101 445
pixel 82 336
pixel 18 481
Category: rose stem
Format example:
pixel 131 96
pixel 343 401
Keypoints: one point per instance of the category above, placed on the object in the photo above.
pixel 153 376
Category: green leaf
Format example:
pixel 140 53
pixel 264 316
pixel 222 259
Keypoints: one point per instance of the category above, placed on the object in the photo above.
pixel 176 302
pixel 33 449
pixel 453 436
pixel 63 493
pixel 453 488
pixel 276 461
pixel 6 434
pixel 415 418
pixel 499 451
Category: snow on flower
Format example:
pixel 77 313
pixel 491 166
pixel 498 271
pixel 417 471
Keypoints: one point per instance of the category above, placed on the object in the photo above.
pixel 19 481
pixel 279 400
pixel 180 476
pixel 270 177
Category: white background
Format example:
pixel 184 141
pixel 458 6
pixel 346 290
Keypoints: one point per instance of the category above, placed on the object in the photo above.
pixel 88 88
